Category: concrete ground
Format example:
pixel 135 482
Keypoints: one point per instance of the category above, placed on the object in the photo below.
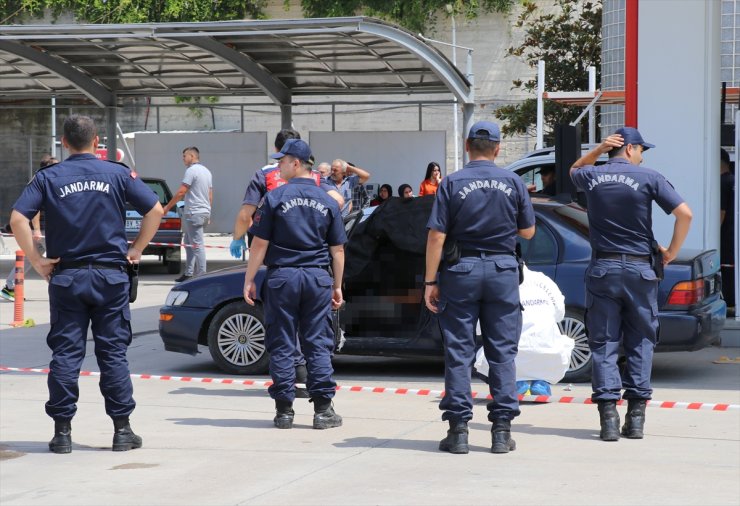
pixel 213 443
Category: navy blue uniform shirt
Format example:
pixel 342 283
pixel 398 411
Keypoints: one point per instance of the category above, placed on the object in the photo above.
pixel 84 201
pixel 301 221
pixel 268 178
pixel 620 195
pixel 482 206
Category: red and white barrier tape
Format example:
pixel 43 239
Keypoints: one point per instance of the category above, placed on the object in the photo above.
pixel 176 245
pixel 703 406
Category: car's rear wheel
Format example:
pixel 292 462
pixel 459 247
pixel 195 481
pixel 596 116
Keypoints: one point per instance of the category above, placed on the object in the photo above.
pixel 236 339
pixel 574 326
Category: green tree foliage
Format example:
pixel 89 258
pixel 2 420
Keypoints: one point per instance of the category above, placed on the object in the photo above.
pixel 415 15
pixel 133 11
pixel 569 41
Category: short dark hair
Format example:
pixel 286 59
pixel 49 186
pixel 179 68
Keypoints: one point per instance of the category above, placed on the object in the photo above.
pixel 617 152
pixel 482 146
pixel 192 149
pixel 283 135
pixel 402 188
pixel 724 156
pixel 430 168
pixel 47 160
pixel 79 131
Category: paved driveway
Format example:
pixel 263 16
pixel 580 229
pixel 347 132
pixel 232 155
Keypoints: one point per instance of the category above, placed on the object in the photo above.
pixel 213 443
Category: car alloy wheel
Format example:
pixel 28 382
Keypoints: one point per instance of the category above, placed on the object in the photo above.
pixel 241 339
pixel 236 339
pixel 574 326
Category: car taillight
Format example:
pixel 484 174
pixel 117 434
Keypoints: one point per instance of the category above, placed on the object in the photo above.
pixel 686 293
pixel 170 224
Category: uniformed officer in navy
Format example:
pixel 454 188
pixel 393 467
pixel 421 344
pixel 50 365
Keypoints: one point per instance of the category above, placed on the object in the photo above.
pixel 84 199
pixel 621 280
pixel 265 180
pixel 482 208
pixel 298 231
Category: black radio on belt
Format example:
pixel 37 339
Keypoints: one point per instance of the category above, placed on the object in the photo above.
pixel 133 279
pixel 450 252
pixel 519 261
pixel 656 259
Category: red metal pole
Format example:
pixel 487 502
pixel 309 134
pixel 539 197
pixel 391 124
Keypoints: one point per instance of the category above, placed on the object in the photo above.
pixel 632 8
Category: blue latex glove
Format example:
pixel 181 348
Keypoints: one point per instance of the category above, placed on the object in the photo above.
pixel 237 247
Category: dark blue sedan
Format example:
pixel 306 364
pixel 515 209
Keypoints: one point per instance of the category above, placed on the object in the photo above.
pixel 383 288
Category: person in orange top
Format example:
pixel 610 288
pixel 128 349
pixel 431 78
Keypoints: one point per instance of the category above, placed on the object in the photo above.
pixel 431 180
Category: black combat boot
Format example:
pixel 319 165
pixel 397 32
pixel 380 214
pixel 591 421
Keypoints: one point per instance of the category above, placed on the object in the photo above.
pixel 324 416
pixel 609 420
pixel 301 376
pixel 634 422
pixel 457 438
pixel 284 415
pixel 124 438
pixel 501 436
pixel 62 440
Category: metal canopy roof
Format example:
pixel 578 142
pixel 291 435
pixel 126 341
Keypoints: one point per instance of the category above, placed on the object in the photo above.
pixel 281 59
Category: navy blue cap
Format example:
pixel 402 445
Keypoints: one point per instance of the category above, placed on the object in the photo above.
pixel 632 136
pixel 485 130
pixel 294 147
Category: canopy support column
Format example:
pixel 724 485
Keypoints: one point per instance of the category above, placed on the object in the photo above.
pixel 111 126
pixel 468 110
pixel 286 116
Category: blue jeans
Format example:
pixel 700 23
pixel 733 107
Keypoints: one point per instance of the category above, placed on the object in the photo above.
pixel 195 254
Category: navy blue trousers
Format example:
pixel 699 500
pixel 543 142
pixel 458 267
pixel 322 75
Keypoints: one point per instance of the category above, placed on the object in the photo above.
pixel 298 302
pixel 78 299
pixel 622 311
pixel 487 289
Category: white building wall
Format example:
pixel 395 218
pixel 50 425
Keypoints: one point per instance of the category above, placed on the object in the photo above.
pixel 678 108
pixel 232 159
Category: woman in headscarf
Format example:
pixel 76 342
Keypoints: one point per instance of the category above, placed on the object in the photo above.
pixel 384 193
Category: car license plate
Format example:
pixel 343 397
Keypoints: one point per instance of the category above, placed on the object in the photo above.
pixel 133 224
pixel 710 285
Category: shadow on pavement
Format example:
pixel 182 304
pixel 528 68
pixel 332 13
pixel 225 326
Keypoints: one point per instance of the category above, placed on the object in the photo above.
pixel 225 422
pixel 418 445
pixel 25 447
pixel 249 392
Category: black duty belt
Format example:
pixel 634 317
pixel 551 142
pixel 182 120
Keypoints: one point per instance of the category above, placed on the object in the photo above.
pixel 92 265
pixel 480 254
pixel 619 256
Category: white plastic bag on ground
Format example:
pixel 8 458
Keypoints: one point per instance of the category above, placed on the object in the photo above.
pixel 544 353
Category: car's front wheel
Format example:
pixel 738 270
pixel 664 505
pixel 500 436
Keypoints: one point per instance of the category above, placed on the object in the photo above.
pixel 574 326
pixel 236 339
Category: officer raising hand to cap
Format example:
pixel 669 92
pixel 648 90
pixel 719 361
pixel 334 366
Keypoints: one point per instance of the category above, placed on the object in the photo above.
pixel 84 200
pixel 298 230
pixel 622 281
pixel 482 208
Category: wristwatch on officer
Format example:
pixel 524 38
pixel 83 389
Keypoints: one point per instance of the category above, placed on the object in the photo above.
pixel 430 283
